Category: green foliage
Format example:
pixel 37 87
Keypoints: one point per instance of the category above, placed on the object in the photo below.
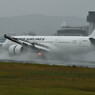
pixel 35 79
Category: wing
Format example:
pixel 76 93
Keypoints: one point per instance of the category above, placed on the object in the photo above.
pixel 26 44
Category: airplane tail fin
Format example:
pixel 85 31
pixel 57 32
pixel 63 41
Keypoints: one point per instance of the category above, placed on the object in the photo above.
pixel 92 35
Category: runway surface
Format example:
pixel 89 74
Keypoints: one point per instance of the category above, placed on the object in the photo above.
pixel 52 62
pixel 87 60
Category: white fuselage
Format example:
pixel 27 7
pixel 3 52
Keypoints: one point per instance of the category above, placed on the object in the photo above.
pixel 61 44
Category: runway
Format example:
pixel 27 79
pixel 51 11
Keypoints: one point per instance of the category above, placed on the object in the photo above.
pixel 87 61
pixel 69 63
pixel 52 62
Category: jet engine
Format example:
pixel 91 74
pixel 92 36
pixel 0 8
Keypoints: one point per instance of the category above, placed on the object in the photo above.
pixel 15 49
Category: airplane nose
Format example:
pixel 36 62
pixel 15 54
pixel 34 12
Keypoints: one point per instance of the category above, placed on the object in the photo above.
pixel 4 46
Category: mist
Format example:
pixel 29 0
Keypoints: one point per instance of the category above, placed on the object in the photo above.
pixel 83 60
pixel 38 24
pixel 79 8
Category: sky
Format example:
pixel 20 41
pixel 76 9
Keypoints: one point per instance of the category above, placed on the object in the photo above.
pixel 79 8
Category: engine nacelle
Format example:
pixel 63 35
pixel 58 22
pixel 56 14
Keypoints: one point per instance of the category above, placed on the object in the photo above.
pixel 15 49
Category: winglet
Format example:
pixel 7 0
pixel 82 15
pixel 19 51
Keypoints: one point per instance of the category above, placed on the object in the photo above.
pixel 5 35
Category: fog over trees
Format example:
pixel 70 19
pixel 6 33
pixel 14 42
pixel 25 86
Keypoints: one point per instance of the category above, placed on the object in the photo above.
pixel 39 24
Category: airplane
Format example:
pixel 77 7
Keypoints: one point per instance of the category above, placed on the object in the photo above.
pixel 42 45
